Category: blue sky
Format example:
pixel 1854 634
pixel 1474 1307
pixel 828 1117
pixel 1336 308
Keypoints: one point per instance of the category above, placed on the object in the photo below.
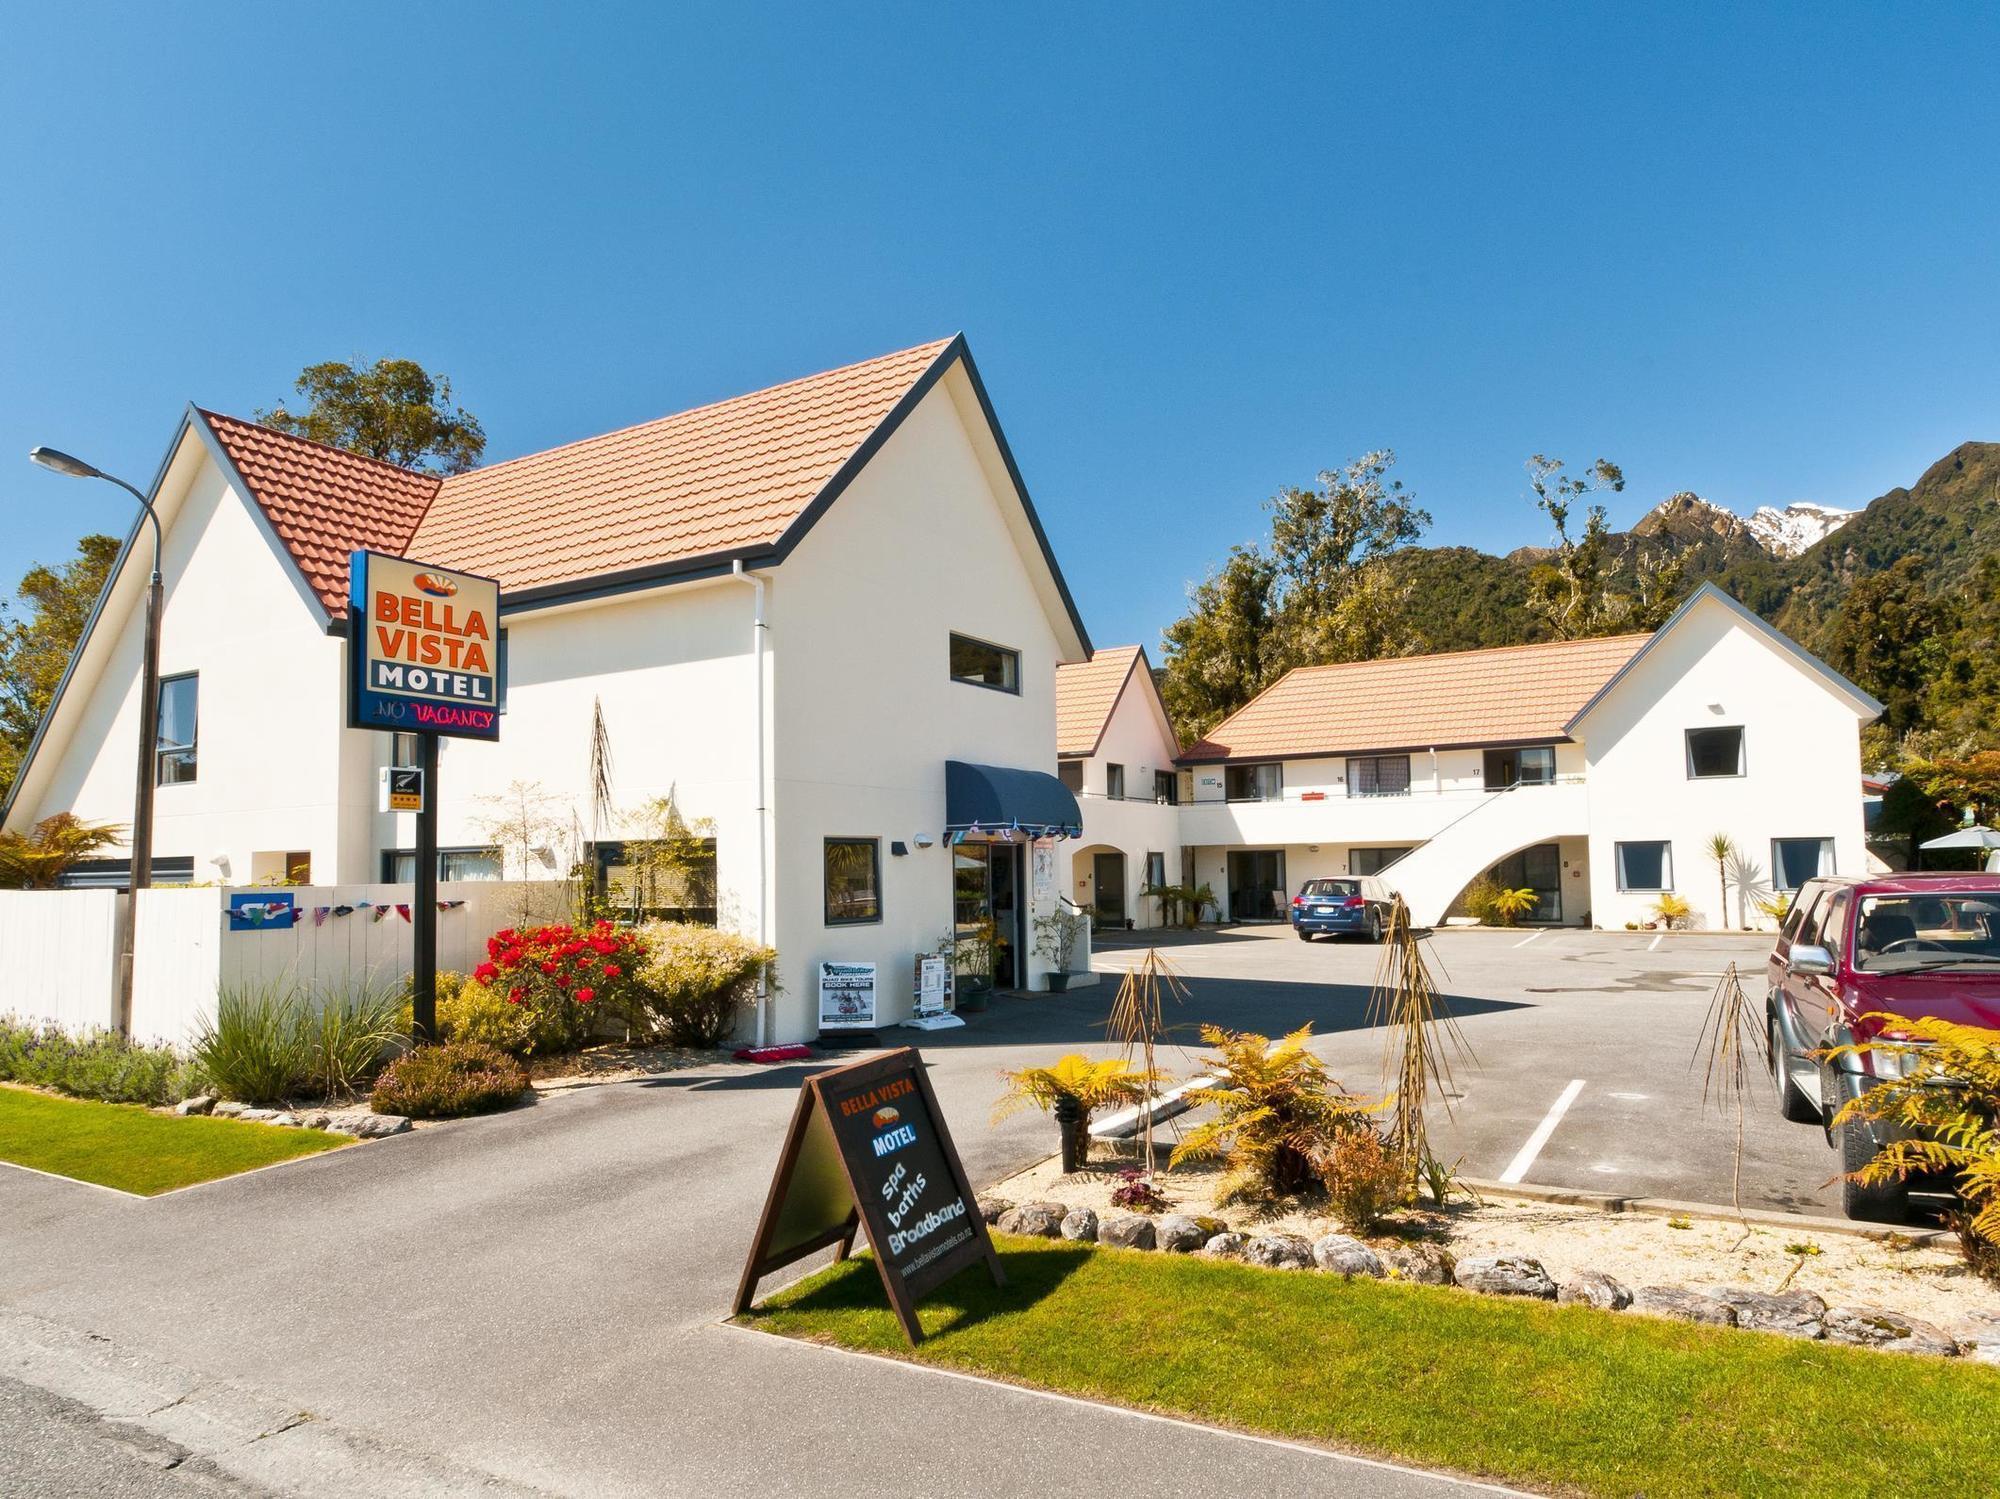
pixel 1752 255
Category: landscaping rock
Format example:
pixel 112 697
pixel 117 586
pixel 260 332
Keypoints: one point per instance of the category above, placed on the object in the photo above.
pixel 1225 1246
pixel 990 1208
pixel 228 1108
pixel 1422 1264
pixel 1080 1224
pixel 1890 1332
pixel 284 1120
pixel 1338 1254
pixel 1594 1288
pixel 1177 1233
pixel 1133 1231
pixel 1034 1220
pixel 1796 1314
pixel 316 1120
pixel 1505 1275
pixel 1683 1306
pixel 366 1126
pixel 258 1116
pixel 201 1103
pixel 1279 1252
pixel 1978 1337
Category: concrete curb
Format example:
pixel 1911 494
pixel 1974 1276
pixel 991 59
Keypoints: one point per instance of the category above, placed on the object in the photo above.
pixel 1668 1207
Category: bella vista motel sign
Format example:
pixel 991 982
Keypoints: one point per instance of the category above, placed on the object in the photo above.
pixel 423 649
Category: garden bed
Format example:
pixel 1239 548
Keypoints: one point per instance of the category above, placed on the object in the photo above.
pixel 1929 1282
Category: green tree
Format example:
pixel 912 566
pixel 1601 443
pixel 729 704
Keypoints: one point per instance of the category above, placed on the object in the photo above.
pixel 1574 592
pixel 394 409
pixel 35 646
pixel 1886 638
pixel 1219 654
pixel 1325 542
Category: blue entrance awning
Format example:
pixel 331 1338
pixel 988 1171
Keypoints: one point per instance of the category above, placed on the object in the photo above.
pixel 998 798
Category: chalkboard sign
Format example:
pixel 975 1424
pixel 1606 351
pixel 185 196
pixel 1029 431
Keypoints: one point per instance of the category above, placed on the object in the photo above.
pixel 868 1149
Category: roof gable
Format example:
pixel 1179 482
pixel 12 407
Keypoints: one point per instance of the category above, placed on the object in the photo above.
pixel 1088 694
pixel 1507 695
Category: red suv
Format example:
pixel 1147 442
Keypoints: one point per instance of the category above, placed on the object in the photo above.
pixel 1905 944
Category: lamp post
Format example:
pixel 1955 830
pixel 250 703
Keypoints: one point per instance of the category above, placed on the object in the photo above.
pixel 149 724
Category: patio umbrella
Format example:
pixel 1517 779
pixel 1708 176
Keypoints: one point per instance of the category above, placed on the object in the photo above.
pixel 1986 838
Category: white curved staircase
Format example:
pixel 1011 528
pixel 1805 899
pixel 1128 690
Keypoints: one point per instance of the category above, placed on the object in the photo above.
pixel 1431 875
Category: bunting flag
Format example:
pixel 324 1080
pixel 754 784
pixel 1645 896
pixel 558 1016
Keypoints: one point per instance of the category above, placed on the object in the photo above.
pixel 403 911
pixel 343 910
pixel 380 912
pixel 320 914
pixel 450 905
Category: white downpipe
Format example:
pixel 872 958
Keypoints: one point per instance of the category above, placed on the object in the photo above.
pixel 757 633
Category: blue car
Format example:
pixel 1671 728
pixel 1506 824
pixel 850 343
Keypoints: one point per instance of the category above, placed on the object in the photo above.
pixel 1354 905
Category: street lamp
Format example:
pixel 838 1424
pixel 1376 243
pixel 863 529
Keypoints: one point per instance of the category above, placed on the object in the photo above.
pixel 149 722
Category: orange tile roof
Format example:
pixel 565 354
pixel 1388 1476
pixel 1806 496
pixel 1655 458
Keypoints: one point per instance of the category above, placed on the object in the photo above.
pixel 719 478
pixel 1086 692
pixel 324 502
pixel 715 479
pixel 1501 696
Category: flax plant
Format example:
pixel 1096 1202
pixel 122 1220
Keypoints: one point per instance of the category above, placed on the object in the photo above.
pixel 1730 1049
pixel 1422 1037
pixel 1138 1022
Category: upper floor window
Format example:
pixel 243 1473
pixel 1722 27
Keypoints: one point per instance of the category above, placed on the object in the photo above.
pixel 1166 787
pixel 1378 775
pixel 175 757
pixel 985 665
pixel 1714 752
pixel 1254 783
pixel 1070 773
pixel 1533 766
pixel 1114 782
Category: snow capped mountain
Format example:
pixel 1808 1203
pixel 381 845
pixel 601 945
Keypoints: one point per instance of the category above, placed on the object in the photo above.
pixel 1789 531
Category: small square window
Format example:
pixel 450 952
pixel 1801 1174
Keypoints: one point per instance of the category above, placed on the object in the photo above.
pixel 1646 866
pixel 985 665
pixel 1714 752
pixel 1070 773
pixel 1114 782
pixel 853 881
pixel 1796 860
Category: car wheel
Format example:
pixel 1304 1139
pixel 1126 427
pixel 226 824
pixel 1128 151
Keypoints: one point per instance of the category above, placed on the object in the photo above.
pixel 1375 926
pixel 1888 1203
pixel 1304 935
pixel 1792 1103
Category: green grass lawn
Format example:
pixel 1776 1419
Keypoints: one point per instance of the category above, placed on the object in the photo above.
pixel 124 1146
pixel 1565 1397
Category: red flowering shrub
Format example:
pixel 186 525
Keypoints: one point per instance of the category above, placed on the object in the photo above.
pixel 563 976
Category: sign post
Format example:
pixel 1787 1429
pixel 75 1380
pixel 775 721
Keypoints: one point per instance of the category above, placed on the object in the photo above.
pixel 868 1150
pixel 423 658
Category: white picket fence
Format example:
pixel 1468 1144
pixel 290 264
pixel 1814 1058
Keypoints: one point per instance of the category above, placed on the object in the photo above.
pixel 58 949
pixel 59 957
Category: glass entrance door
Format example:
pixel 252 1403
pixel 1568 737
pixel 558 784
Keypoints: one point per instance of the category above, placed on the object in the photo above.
pixel 986 891
pixel 1538 869
pixel 1108 889
pixel 1256 884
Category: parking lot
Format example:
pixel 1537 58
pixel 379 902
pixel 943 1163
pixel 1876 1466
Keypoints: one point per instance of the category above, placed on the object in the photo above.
pixel 1583 1069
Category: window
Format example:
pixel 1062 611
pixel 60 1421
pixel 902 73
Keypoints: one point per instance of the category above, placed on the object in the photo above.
pixel 1714 752
pixel 1372 860
pixel 1796 860
pixel 116 874
pixel 174 759
pixel 1379 775
pixel 1156 871
pixel 1254 783
pixel 984 665
pixel 853 881
pixel 1166 787
pixel 1533 766
pixel 1114 782
pixel 399 865
pixel 1070 773
pixel 1646 866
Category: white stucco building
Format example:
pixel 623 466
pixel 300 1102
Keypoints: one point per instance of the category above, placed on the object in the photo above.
pixel 1117 752
pixel 1593 772
pixel 795 609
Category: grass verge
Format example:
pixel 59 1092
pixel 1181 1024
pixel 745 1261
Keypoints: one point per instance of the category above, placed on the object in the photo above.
pixel 125 1146
pixel 1600 1402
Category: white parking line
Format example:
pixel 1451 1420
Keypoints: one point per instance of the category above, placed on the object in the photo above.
pixel 1656 942
pixel 1526 940
pixel 1517 1169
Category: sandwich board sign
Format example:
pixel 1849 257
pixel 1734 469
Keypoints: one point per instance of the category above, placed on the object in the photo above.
pixel 846 996
pixel 868 1151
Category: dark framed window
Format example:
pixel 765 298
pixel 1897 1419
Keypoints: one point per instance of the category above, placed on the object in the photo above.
pixel 1796 860
pixel 1712 753
pixel 1532 766
pixel 982 664
pixel 116 874
pixel 1253 783
pixel 1646 865
pixel 1166 787
pixel 1156 870
pixel 853 881
pixel 1378 775
pixel 673 881
pixel 1372 860
pixel 1070 773
pixel 399 865
pixel 174 760
pixel 1114 782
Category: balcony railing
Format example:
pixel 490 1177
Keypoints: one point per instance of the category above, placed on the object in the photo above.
pixel 1311 794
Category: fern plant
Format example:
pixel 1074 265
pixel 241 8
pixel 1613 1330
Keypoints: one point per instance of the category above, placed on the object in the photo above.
pixel 1509 906
pixel 1673 910
pixel 1072 1090
pixel 1278 1114
pixel 1948 1100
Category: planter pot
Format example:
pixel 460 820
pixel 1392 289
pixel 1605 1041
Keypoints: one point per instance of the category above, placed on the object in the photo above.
pixel 1058 983
pixel 974 992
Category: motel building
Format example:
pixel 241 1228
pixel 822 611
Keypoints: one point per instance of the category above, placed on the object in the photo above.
pixel 822 617
pixel 1593 772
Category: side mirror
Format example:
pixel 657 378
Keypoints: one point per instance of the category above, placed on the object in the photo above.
pixel 1810 961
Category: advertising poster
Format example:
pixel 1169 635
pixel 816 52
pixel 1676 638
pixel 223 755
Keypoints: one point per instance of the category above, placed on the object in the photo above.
pixel 1045 869
pixel 933 985
pixel 846 996
pixel 423 649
